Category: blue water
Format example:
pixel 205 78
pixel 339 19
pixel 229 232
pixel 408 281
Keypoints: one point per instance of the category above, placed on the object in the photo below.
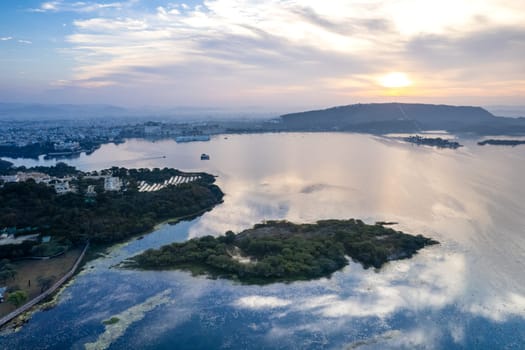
pixel 467 292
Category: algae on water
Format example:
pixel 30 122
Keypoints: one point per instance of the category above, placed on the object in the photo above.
pixel 117 325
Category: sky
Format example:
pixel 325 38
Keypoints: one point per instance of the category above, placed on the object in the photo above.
pixel 286 54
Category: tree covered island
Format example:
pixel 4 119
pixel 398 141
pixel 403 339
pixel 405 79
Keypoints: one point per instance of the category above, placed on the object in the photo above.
pixel 432 141
pixel 284 251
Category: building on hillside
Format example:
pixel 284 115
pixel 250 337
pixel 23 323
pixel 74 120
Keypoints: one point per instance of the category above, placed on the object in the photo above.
pixel 9 178
pixel 62 187
pixel 23 177
pixel 37 177
pixel 66 146
pixel 91 191
pixel 112 183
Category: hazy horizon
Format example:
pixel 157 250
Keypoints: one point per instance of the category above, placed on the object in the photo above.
pixel 31 110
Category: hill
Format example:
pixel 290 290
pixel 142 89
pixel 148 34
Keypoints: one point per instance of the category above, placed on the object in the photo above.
pixel 402 117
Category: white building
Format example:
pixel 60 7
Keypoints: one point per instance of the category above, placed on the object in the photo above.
pixel 91 191
pixel 37 177
pixel 152 129
pixel 23 177
pixel 9 178
pixel 69 146
pixel 62 187
pixel 112 184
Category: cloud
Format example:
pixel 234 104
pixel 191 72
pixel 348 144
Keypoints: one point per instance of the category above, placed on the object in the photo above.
pixel 80 6
pixel 501 45
pixel 297 50
pixel 25 41
pixel 256 302
pixel 6 38
pixel 440 281
pixel 500 308
pixel 434 282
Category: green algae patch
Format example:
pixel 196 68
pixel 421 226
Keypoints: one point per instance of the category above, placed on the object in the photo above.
pixel 111 321
pixel 116 326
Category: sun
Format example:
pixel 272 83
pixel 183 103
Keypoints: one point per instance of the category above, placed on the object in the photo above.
pixel 395 80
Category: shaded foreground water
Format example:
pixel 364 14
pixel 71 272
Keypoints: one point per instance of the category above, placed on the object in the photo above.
pixel 468 292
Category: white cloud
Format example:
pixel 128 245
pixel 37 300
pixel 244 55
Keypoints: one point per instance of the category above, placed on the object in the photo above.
pixel 257 302
pixel 66 6
pixel 6 38
pixel 432 282
pixel 50 6
pixel 283 50
pixel 25 41
pixel 499 308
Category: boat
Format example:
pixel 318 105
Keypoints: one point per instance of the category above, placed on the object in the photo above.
pixel 205 156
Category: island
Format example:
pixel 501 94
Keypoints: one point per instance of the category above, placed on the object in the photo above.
pixel 432 141
pixel 276 251
pixel 497 142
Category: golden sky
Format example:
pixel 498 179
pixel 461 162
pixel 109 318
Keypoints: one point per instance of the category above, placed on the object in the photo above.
pixel 278 54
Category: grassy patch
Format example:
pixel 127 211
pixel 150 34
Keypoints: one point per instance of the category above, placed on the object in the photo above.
pixel 111 321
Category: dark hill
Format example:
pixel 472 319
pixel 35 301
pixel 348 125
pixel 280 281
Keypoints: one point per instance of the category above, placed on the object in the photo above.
pixel 397 117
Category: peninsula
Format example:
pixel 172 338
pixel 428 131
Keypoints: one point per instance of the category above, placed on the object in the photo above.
pixel 62 206
pixel 283 251
pixel 49 213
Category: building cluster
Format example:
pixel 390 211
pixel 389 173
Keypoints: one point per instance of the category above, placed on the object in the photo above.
pixel 69 135
pixel 160 130
pixel 63 135
pixel 61 185
pixel 65 145
pixel 64 185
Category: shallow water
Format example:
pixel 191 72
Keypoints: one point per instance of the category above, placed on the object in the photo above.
pixel 468 292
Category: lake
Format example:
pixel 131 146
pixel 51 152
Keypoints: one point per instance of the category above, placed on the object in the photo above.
pixel 467 292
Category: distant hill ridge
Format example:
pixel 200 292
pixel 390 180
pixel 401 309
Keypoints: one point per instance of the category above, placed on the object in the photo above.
pixel 402 117
pixel 374 112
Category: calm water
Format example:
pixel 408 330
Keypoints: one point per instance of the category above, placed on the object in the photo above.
pixel 468 292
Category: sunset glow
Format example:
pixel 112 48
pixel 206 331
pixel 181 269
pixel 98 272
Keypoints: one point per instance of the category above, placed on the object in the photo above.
pixel 237 53
pixel 395 80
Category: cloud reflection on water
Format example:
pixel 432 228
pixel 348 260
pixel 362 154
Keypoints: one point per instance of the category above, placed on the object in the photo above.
pixel 470 200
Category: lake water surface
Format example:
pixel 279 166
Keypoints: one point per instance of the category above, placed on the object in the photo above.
pixel 467 292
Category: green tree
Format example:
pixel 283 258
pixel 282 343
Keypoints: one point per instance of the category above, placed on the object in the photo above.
pixel 17 298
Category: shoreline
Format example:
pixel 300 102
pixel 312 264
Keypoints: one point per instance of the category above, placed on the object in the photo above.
pixel 22 315
pixel 30 304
